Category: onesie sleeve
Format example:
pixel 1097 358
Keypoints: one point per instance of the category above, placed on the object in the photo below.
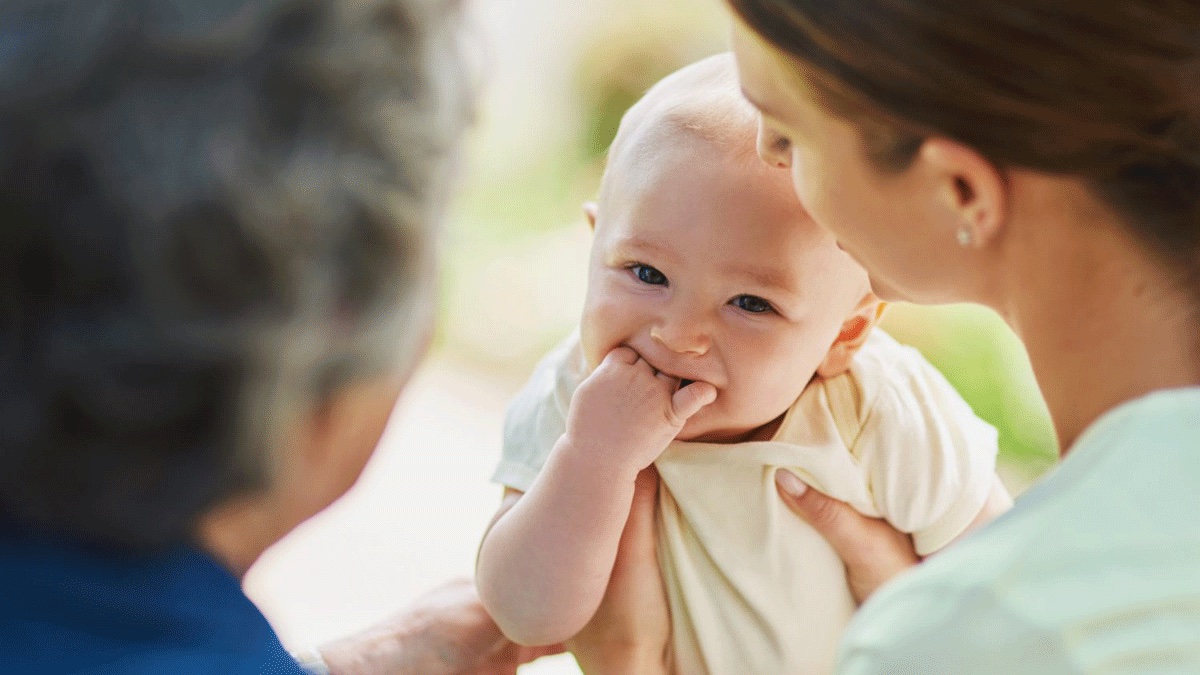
pixel 537 417
pixel 929 461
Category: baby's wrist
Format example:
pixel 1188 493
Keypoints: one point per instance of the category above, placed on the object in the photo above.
pixel 593 461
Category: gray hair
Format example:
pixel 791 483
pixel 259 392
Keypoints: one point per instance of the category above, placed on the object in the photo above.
pixel 215 213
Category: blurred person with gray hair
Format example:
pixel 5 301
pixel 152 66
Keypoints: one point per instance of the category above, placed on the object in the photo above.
pixel 216 272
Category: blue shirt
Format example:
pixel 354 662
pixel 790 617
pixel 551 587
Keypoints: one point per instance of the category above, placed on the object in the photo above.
pixel 1095 570
pixel 70 608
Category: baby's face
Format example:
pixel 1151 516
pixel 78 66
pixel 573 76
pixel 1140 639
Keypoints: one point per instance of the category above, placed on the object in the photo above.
pixel 710 270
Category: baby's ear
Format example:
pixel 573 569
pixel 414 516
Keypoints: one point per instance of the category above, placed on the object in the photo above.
pixel 855 331
pixel 589 210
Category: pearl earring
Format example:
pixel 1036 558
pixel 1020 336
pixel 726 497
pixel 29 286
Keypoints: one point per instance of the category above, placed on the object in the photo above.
pixel 965 237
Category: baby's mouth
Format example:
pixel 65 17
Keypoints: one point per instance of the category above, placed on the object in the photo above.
pixel 683 381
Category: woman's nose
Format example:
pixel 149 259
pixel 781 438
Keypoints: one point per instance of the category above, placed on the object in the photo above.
pixel 682 337
pixel 772 148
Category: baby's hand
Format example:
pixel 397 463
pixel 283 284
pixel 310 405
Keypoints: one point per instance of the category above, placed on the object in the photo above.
pixel 627 413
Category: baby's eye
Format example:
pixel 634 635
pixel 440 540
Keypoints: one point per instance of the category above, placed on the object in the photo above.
pixel 648 275
pixel 752 304
pixel 782 143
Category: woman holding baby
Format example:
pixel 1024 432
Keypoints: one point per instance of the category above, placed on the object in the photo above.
pixel 1042 159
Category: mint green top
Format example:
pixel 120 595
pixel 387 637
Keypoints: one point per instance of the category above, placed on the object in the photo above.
pixel 1095 570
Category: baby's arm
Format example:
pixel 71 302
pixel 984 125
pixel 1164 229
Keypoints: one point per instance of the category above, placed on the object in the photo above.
pixel 998 501
pixel 930 461
pixel 545 563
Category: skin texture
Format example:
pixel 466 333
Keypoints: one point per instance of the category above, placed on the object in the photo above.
pixel 1065 272
pixel 745 245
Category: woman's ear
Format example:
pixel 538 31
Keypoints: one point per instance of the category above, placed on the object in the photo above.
pixel 589 210
pixel 853 335
pixel 973 191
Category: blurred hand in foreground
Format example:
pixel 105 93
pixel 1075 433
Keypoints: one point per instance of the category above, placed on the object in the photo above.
pixel 446 632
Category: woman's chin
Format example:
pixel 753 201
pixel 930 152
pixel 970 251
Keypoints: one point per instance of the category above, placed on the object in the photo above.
pixel 885 291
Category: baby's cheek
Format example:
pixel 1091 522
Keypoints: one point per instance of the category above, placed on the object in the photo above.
pixel 772 385
pixel 601 329
pixel 750 406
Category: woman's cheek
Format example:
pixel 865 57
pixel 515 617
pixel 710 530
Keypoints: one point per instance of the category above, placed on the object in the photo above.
pixel 798 183
pixel 809 187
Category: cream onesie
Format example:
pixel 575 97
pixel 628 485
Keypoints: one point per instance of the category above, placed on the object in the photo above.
pixel 751 587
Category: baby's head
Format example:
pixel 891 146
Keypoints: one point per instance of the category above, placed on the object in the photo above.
pixel 706 265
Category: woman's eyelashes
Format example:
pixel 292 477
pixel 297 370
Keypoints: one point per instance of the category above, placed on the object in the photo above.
pixel 775 139
pixel 648 275
pixel 752 304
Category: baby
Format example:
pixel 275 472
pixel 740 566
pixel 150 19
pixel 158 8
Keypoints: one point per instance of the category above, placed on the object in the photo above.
pixel 725 335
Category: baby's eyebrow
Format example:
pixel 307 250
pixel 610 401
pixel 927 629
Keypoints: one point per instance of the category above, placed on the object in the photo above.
pixel 638 243
pixel 765 277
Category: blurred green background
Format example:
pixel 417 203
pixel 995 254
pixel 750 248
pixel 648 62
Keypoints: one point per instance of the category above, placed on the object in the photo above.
pixel 557 78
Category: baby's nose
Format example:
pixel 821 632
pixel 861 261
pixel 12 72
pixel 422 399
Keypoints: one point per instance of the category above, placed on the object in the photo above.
pixel 682 338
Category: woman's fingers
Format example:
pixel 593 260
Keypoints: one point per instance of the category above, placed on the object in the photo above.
pixel 873 550
pixel 633 617
pixel 639 530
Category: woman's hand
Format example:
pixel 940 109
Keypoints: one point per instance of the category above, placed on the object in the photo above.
pixel 630 630
pixel 872 550
pixel 446 632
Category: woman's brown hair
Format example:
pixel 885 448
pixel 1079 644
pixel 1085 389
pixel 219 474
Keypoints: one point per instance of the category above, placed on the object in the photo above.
pixel 1106 90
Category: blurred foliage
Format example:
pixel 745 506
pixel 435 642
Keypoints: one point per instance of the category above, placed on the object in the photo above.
pixel 986 362
pixel 619 66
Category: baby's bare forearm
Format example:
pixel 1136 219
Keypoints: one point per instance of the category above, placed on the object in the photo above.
pixel 544 565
